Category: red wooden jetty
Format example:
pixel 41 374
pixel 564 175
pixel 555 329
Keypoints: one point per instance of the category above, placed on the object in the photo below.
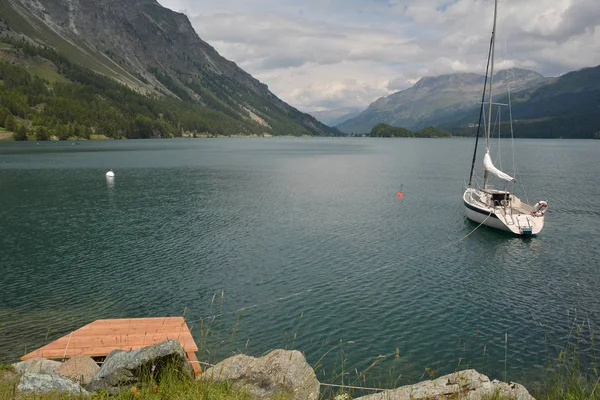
pixel 101 337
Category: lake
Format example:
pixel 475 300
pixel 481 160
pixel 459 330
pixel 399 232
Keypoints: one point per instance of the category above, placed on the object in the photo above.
pixel 302 243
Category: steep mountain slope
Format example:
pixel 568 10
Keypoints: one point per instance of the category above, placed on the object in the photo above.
pixel 568 107
pixel 154 51
pixel 434 99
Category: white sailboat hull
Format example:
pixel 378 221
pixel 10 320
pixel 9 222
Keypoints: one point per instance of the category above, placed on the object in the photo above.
pixel 513 216
pixel 499 209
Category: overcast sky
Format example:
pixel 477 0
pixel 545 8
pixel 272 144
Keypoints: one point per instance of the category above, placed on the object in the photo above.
pixel 328 54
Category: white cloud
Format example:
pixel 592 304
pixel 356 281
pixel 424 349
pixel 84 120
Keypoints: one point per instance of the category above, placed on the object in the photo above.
pixel 325 54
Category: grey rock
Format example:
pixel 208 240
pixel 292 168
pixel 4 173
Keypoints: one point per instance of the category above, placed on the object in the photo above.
pixel 468 384
pixel 279 372
pixel 123 369
pixel 36 365
pixel 80 369
pixel 44 383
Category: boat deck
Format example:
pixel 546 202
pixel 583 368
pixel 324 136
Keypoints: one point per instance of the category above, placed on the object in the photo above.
pixel 102 336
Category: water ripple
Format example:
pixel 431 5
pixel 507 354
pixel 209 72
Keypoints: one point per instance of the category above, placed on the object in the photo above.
pixel 302 237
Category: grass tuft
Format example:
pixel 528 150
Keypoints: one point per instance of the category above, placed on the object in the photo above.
pixel 171 386
pixel 497 395
pixel 574 374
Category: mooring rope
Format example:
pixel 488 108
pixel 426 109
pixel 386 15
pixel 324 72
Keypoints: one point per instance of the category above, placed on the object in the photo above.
pixel 67 347
pixel 470 233
pixel 352 387
pixel 321 384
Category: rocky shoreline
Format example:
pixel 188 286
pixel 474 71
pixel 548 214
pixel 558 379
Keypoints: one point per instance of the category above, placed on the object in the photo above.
pixel 281 374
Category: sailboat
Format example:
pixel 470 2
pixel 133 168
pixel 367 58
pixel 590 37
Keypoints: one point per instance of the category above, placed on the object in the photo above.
pixel 498 208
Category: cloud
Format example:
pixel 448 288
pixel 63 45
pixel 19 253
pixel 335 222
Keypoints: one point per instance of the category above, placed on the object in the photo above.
pixel 327 54
pixel 269 41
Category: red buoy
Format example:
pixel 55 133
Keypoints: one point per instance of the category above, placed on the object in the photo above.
pixel 400 195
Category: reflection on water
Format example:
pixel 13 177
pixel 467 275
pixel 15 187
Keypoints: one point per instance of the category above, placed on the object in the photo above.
pixel 296 227
pixel 110 181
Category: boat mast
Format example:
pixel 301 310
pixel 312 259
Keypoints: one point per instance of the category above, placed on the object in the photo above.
pixel 489 121
pixel 487 70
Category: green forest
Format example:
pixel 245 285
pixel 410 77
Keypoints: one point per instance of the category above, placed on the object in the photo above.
pixel 567 108
pixel 389 131
pixel 65 100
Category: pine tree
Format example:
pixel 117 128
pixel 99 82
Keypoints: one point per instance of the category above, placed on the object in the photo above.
pixel 62 132
pixel 4 113
pixel 9 123
pixel 41 133
pixel 20 133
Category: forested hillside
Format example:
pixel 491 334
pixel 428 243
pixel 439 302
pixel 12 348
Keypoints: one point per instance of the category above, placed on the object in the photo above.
pixel 129 68
pixel 43 93
pixel 78 102
pixel 435 98
pixel 568 107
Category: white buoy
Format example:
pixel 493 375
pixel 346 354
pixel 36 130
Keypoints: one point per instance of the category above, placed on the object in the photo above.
pixel 110 174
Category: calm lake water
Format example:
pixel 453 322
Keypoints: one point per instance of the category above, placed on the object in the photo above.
pixel 308 237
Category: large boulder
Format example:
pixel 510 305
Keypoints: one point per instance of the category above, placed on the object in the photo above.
pixel 36 365
pixel 31 382
pixel 123 369
pixel 80 369
pixel 468 384
pixel 279 372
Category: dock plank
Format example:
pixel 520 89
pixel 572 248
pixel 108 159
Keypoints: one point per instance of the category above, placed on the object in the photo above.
pixel 100 337
pixel 193 360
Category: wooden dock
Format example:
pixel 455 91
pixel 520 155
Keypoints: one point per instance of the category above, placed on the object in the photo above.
pixel 101 337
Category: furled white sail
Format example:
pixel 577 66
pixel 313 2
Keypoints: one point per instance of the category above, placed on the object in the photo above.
pixel 488 165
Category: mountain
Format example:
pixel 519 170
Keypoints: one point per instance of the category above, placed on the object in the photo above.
pixel 156 53
pixel 336 116
pixel 435 99
pixel 568 107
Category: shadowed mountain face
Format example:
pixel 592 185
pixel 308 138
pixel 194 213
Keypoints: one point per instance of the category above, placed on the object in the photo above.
pixel 567 107
pixel 336 116
pixel 434 99
pixel 154 51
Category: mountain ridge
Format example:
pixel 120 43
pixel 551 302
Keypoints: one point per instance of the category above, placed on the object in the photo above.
pixel 435 97
pixel 154 51
pixel 567 106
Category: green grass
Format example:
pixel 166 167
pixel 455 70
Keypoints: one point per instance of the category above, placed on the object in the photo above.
pixel 46 72
pixel 5 135
pixel 170 387
pixel 6 368
pixel 566 376
pixel 497 396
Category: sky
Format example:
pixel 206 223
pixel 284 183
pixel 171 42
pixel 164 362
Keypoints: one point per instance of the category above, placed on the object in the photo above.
pixel 330 54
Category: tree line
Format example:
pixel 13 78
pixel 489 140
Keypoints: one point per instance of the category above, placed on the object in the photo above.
pixel 385 130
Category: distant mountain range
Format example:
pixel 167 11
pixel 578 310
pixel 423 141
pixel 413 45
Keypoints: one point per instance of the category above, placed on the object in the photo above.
pixel 157 53
pixel 568 106
pixel 433 99
pixel 337 116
